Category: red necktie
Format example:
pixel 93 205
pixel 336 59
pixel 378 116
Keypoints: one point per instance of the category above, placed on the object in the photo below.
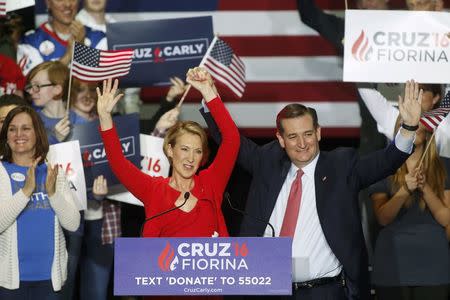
pixel 293 206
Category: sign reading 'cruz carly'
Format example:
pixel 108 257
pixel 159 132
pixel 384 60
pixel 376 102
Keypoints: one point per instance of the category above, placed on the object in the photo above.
pixel 203 266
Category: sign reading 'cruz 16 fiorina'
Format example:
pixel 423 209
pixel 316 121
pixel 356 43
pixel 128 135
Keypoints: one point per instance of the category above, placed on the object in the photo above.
pixel 395 46
pixel 203 266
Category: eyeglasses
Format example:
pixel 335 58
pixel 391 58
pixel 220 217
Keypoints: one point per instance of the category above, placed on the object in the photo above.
pixel 36 87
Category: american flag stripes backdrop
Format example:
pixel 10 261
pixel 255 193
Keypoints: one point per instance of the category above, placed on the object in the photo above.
pixel 285 60
pixel 2 8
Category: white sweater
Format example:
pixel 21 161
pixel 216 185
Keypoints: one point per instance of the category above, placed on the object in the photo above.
pixel 385 114
pixel 66 215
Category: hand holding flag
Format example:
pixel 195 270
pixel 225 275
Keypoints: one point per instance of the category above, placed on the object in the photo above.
pixel 224 66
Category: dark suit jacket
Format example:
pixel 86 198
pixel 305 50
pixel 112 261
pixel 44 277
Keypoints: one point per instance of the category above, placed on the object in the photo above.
pixel 339 176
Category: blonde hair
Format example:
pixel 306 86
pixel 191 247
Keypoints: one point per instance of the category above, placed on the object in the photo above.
pixel 182 127
pixel 58 74
pixel 434 171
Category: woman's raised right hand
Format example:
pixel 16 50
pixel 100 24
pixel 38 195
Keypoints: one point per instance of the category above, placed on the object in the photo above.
pixel 107 99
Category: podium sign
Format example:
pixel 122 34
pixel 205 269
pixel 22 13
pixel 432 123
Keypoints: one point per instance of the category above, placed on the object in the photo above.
pixel 203 266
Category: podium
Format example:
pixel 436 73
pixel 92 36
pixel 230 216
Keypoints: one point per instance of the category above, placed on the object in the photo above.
pixel 203 266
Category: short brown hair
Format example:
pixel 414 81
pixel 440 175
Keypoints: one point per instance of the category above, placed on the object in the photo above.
pixel 295 110
pixel 41 147
pixel 58 74
pixel 183 127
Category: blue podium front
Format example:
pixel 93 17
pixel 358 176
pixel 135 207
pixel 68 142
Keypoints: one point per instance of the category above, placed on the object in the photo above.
pixel 203 266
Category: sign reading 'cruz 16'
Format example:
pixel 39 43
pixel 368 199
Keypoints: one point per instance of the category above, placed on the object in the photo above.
pixel 203 266
pixel 396 46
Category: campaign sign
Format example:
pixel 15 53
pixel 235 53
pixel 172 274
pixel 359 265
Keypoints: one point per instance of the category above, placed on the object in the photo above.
pixel 162 48
pixel 396 46
pixel 93 152
pixel 68 157
pixel 203 266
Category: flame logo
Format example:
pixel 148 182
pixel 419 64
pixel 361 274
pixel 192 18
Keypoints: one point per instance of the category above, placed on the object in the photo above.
pixel 166 261
pixel 87 159
pixel 361 50
pixel 158 55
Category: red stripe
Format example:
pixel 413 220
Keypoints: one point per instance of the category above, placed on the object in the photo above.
pixel 275 5
pixel 292 4
pixel 122 56
pixel 280 45
pixel 335 132
pixel 101 69
pixel 98 77
pixel 274 92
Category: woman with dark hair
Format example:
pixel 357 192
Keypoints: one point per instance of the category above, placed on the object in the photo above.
pixel 413 206
pixel 35 202
pixel 185 144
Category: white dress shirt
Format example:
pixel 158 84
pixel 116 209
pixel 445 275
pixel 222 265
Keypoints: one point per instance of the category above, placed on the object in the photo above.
pixel 311 255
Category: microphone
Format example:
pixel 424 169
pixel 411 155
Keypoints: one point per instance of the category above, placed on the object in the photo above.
pixel 186 197
pixel 227 196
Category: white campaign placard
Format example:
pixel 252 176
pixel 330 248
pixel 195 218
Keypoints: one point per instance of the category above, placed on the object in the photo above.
pixel 18 4
pixel 395 46
pixel 154 163
pixel 68 156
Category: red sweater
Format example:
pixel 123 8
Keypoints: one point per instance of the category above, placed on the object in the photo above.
pixel 157 195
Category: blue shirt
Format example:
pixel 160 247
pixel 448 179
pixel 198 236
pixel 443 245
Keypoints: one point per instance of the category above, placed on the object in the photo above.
pixel 35 226
pixel 49 124
pixel 43 44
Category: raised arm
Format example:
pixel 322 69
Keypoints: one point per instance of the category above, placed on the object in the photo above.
pixel 384 113
pixel 329 26
pixel 222 166
pixel 375 166
pixel 127 173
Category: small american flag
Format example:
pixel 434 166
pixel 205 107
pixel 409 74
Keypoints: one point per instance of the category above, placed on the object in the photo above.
pixel 90 64
pixel 432 118
pixel 2 8
pixel 226 67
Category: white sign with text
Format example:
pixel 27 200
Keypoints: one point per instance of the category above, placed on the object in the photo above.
pixel 395 46
pixel 68 156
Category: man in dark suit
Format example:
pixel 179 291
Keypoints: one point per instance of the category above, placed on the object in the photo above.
pixel 312 196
